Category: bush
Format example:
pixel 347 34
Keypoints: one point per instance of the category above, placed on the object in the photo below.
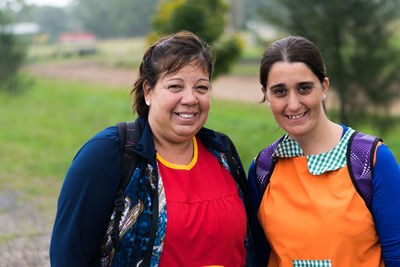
pixel 205 18
pixel 12 57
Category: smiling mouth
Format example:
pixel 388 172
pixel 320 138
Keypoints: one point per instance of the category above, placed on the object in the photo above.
pixel 185 115
pixel 294 117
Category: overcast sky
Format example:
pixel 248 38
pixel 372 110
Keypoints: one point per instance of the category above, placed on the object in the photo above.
pixel 57 3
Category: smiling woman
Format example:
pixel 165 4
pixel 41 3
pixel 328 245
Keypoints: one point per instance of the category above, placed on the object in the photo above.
pixel 310 205
pixel 187 177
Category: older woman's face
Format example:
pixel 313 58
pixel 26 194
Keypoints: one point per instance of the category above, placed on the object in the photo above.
pixel 179 104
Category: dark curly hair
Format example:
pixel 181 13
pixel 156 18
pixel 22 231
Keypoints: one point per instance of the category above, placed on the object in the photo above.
pixel 168 55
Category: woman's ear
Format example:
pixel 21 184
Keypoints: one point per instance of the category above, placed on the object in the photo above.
pixel 147 93
pixel 264 91
pixel 325 88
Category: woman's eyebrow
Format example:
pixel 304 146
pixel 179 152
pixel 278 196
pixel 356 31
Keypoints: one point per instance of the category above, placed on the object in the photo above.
pixel 277 85
pixel 305 83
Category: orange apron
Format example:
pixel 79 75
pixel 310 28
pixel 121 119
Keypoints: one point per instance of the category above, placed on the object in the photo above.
pixel 317 217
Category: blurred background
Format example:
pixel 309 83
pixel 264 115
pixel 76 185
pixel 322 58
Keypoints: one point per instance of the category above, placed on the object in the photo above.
pixel 67 67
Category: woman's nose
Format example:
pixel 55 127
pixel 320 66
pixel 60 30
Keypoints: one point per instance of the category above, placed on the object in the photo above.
pixel 189 97
pixel 293 102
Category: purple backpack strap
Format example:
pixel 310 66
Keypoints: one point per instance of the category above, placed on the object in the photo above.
pixel 360 162
pixel 264 164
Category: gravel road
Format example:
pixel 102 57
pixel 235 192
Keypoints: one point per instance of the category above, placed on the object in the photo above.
pixel 26 233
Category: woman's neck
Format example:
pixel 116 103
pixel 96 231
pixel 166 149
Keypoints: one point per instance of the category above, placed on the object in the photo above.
pixel 323 139
pixel 175 153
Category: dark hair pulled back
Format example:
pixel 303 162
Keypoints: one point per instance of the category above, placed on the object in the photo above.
pixel 292 49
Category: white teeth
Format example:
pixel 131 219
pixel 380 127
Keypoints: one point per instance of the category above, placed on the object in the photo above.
pixel 295 116
pixel 186 116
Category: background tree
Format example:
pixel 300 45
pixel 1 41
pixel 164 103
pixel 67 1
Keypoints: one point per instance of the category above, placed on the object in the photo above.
pixel 25 13
pixel 117 18
pixel 207 19
pixel 12 55
pixel 356 40
pixel 52 20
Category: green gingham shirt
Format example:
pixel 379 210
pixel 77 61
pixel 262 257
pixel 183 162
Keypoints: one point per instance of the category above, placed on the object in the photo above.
pixel 320 163
pixel 308 263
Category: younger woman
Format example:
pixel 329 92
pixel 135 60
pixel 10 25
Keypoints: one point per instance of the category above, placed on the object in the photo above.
pixel 304 197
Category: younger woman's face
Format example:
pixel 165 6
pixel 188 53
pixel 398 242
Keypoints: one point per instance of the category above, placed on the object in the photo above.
pixel 295 96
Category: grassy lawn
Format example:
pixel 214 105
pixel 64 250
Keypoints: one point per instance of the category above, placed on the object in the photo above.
pixel 43 128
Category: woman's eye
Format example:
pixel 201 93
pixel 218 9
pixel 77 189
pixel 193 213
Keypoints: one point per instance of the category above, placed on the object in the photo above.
pixel 279 91
pixel 305 89
pixel 174 87
pixel 202 88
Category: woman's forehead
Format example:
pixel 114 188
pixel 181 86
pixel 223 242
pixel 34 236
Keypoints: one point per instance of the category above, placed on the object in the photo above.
pixel 283 72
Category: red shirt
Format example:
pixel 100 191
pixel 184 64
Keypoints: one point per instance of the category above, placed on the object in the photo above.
pixel 206 220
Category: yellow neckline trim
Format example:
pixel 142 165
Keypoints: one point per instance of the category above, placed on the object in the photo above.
pixel 182 167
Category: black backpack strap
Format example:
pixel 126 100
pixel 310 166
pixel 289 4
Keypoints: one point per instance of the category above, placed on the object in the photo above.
pixel 360 163
pixel 129 135
pixel 235 165
pixel 237 170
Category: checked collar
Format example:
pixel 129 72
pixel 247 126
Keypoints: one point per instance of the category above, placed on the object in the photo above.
pixel 320 163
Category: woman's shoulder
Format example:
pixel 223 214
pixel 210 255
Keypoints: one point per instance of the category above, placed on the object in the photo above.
pixel 270 149
pixel 103 146
pixel 96 161
pixel 384 154
pixel 214 139
pixel 109 134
